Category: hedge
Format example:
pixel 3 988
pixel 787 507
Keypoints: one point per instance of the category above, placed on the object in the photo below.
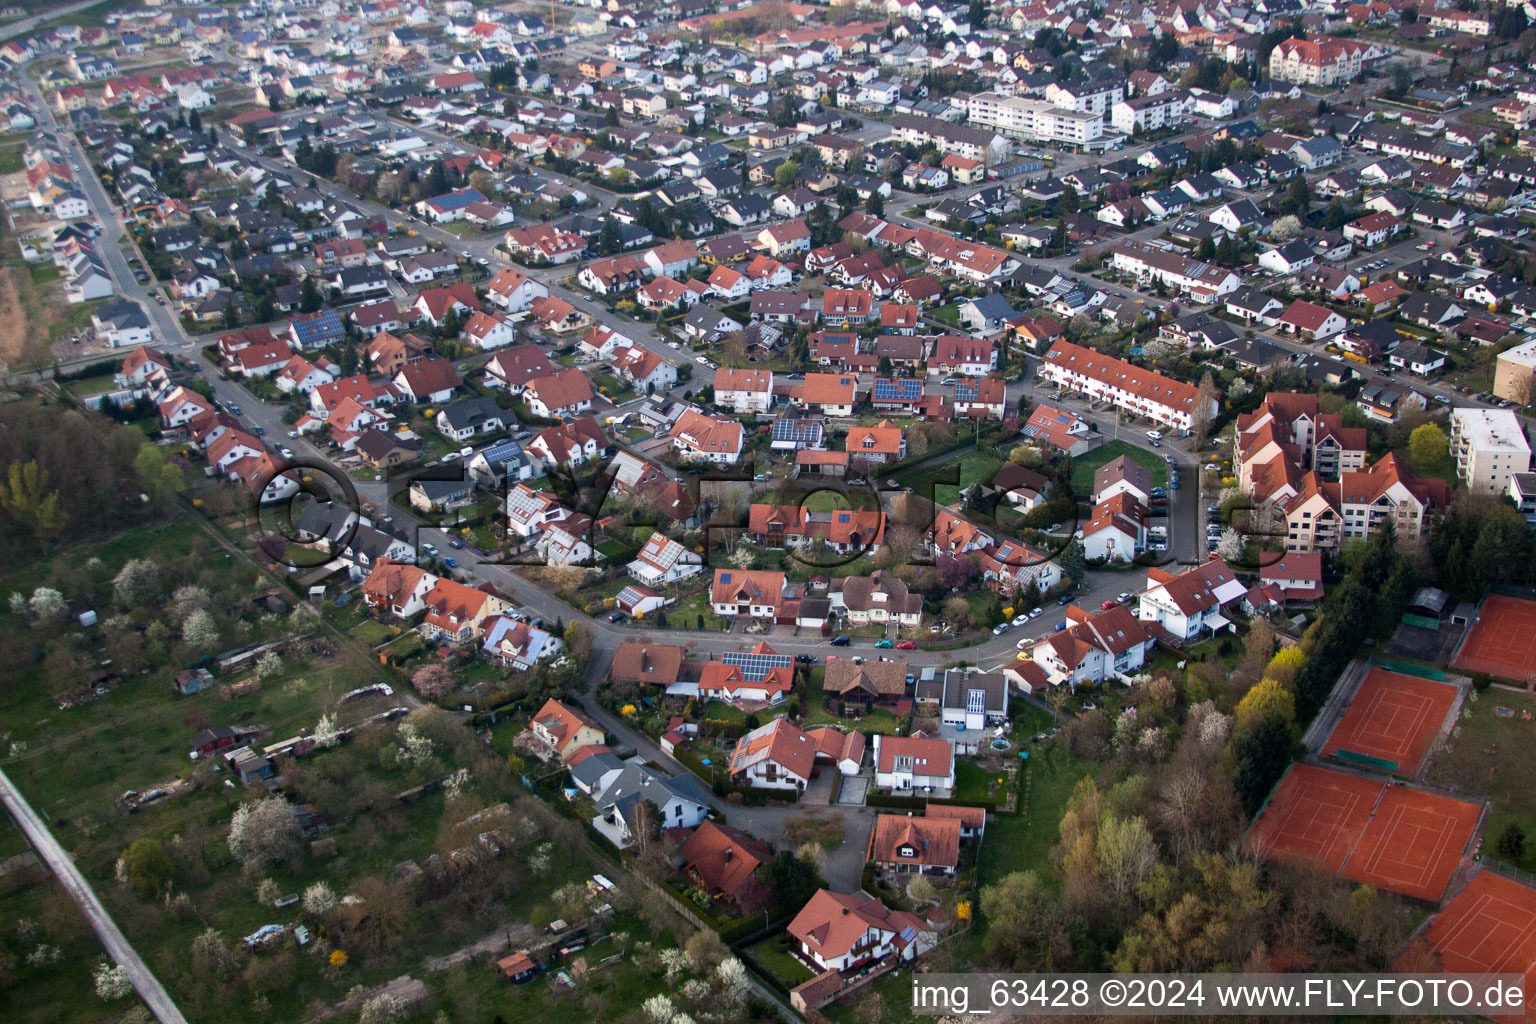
pixel 917 803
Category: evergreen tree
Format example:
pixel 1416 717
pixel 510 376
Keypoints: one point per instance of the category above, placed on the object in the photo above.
pixel 310 299
pixel 1073 565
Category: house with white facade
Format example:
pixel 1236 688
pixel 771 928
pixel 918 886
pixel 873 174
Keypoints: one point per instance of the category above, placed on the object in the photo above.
pixel 1188 605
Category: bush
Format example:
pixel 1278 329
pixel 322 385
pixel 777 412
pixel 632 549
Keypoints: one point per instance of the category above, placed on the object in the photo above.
pixel 1481 682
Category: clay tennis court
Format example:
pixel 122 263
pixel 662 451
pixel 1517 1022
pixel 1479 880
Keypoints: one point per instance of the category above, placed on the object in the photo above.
pixel 1502 642
pixel 1413 843
pixel 1315 814
pixel 1393 718
pixel 1490 927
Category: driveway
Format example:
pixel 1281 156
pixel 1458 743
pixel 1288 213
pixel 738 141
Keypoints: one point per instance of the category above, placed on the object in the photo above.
pixel 845 865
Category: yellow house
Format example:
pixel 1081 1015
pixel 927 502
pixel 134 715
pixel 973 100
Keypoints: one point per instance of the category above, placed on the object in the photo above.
pixel 563 730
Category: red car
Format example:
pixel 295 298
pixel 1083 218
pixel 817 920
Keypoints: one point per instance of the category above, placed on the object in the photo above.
pixel 1107 605
pixel 907 645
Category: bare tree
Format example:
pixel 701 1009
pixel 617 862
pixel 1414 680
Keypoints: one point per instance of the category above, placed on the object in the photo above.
pixel 1204 412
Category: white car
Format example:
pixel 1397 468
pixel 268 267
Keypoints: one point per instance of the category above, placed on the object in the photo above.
pixel 1154 435
pixel 1019 620
pixel 1024 644
pixel 1037 613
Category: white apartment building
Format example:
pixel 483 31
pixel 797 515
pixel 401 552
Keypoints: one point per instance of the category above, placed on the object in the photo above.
pixel 1320 61
pixel 1490 448
pixel 1204 282
pixel 1041 121
pixel 1148 113
pixel 1094 98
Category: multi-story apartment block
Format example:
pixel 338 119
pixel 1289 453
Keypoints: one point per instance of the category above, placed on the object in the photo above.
pixel 1490 448
pixel 1277 443
pixel 1040 120
pixel 1321 60
pixel 1144 392
pixel 1514 375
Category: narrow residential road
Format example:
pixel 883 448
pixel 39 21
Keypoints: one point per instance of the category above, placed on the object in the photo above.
pixel 63 867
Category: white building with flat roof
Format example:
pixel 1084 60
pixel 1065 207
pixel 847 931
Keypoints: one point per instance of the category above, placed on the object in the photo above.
pixel 1041 120
pixel 1489 446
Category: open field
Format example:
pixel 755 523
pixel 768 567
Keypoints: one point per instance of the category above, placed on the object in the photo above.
pixel 1488 754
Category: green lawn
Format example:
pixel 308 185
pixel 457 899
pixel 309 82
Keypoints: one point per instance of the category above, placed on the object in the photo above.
pixel 947 314
pixel 686 613
pixel 1083 468
pixel 720 711
pixel 1489 754
pixel 772 954
pixel 371 632
pixel 464 229
pixel 97 385
pixel 973 467
pixel 612 549
pixel 971 782
pixel 1023 842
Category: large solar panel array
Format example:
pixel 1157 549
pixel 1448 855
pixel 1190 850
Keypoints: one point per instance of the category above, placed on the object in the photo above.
pixel 755 667
pixel 797 431
pixel 502 451
pixel 898 390
pixel 629 595
pixel 967 391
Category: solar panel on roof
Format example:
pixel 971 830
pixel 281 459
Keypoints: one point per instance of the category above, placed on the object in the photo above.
pixel 898 390
pixel 755 667
pixel 629 595
pixel 796 431
pixel 967 391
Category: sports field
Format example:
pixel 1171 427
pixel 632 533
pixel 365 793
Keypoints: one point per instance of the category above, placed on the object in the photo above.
pixel 1391 721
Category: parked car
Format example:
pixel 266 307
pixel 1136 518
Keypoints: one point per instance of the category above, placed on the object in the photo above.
pixel 1026 642
pixel 1036 613
pixel 1001 628
pixel 451 562
pixel 616 617
pixel 1154 435
pixel 1019 620
pixel 884 644
pixel 261 431
pixel 907 645
pixel 1155 443
pixel 430 549
pixel 1061 625
pixel 840 641
pixel 454 542
pixel 1107 605
pixel 1064 599
pixel 1125 595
